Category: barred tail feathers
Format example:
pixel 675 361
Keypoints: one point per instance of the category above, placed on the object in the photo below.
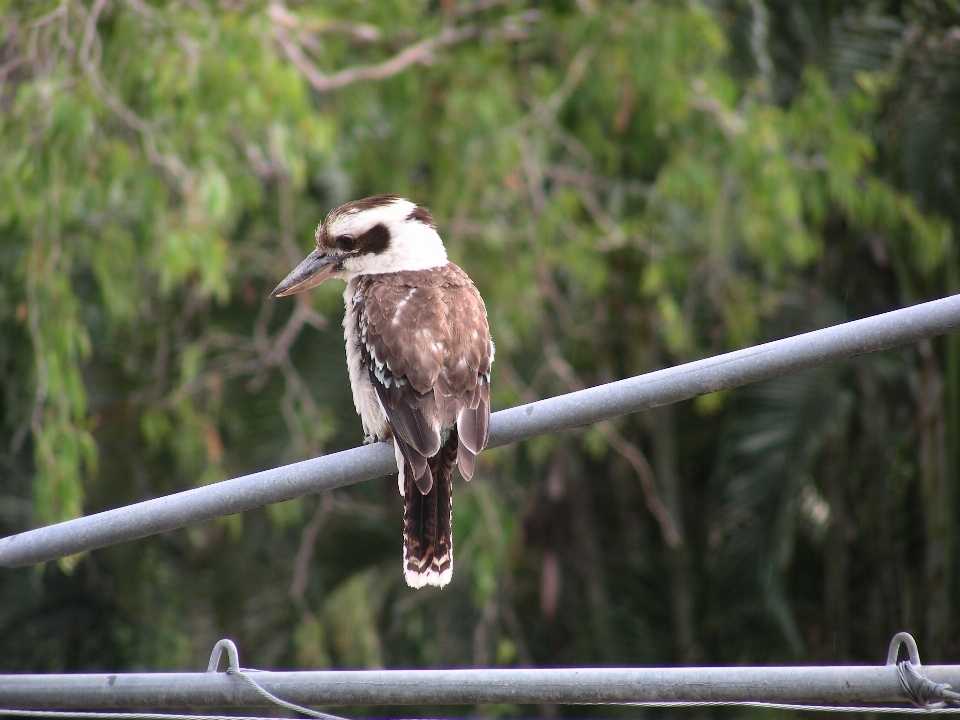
pixel 427 521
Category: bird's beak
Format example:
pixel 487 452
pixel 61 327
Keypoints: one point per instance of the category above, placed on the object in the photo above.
pixel 314 269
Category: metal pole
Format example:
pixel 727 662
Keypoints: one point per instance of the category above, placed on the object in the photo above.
pixel 835 685
pixel 682 382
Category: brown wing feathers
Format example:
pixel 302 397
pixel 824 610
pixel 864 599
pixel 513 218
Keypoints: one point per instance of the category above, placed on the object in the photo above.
pixel 474 429
pixel 427 345
pixel 410 429
pixel 427 349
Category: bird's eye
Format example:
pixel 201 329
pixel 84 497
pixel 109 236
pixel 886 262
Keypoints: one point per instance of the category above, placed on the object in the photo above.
pixel 346 242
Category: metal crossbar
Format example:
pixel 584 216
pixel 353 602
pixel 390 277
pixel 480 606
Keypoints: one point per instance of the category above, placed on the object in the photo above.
pixel 798 684
pixel 722 372
pixel 838 689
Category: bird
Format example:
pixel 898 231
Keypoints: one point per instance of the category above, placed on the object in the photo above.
pixel 419 356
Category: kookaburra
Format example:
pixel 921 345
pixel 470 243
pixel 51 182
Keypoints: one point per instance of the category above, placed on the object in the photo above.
pixel 418 353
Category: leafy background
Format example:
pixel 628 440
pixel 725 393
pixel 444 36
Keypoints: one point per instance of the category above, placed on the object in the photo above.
pixel 631 185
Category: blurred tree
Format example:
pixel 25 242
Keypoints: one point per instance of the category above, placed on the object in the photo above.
pixel 631 186
pixel 892 54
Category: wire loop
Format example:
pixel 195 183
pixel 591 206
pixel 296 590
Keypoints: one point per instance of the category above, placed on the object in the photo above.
pixel 922 691
pixel 903 638
pixel 233 656
pixel 234 670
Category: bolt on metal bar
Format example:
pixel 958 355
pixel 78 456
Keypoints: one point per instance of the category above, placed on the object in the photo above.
pixel 564 412
pixel 798 684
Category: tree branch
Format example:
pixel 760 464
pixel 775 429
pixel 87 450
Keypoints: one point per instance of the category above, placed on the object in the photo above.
pixel 301 564
pixel 420 52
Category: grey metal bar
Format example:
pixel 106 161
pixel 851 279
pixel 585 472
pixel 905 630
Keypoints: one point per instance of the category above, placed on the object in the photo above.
pixel 836 685
pixel 682 382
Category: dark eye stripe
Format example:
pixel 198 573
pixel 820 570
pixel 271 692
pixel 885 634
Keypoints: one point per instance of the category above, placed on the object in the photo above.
pixel 375 240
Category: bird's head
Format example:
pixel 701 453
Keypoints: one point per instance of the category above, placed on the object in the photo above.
pixel 379 234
